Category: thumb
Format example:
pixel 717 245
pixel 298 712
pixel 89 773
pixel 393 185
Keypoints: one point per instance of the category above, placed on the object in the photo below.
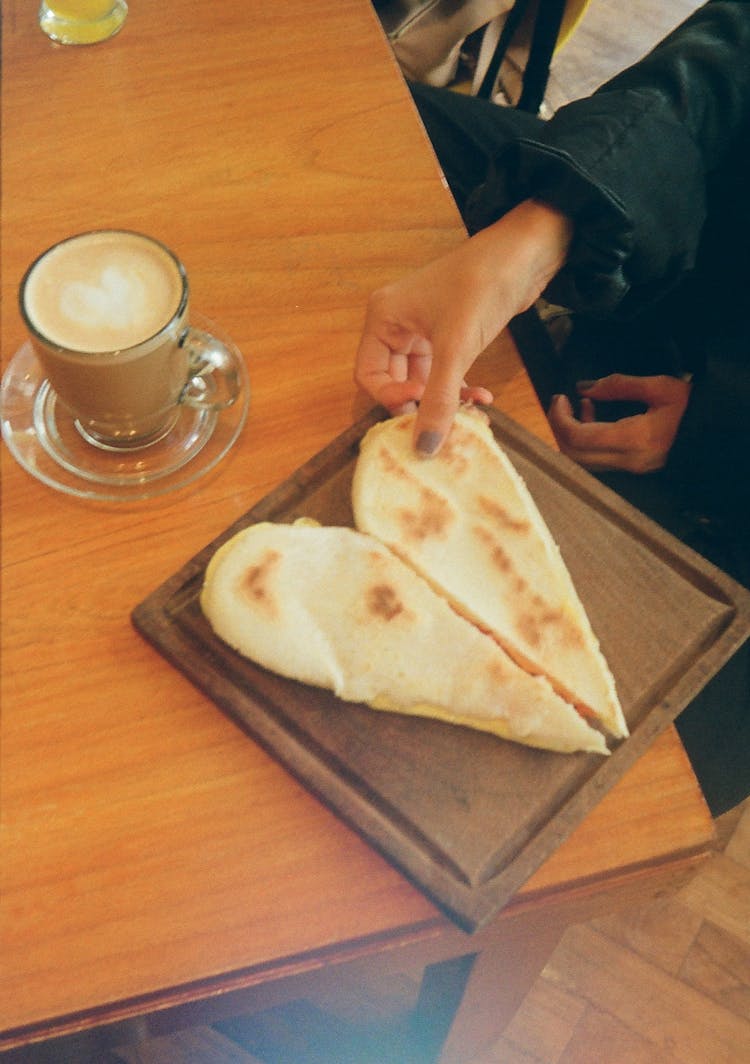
pixel 620 386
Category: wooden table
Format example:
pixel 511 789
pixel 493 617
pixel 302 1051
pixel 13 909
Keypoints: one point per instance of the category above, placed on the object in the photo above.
pixel 158 868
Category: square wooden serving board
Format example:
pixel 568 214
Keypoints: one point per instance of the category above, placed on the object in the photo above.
pixel 466 816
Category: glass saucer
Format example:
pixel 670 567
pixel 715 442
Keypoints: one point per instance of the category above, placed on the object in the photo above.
pixel 44 438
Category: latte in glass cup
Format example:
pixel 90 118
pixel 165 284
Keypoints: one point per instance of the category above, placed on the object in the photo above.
pixel 107 315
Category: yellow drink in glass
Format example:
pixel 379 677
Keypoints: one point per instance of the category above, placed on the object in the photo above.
pixel 82 21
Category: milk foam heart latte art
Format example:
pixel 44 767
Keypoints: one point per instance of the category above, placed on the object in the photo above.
pixel 115 301
pixel 103 291
pixel 108 316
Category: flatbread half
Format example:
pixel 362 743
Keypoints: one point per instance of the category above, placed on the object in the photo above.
pixel 465 520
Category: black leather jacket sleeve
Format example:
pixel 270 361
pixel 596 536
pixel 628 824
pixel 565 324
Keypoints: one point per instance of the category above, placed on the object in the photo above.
pixel 638 164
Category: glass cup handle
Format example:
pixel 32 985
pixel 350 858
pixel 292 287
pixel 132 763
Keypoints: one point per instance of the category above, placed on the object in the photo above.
pixel 214 375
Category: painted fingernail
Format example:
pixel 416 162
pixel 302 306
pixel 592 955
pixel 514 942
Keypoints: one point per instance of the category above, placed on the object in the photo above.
pixel 584 386
pixel 428 441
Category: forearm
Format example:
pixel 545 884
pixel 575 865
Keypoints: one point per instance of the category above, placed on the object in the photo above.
pixel 632 164
pixel 540 236
pixel 511 261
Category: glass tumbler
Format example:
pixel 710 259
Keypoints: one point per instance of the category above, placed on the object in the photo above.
pixel 82 21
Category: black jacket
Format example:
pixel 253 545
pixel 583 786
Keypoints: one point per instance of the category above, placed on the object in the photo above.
pixel 653 167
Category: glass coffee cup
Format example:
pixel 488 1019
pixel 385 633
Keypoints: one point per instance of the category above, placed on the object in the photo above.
pixel 108 316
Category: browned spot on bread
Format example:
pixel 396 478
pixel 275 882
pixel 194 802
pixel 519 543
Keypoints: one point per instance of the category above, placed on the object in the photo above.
pixel 537 618
pixel 497 673
pixel 255 583
pixel 540 618
pixel 431 517
pixel 498 556
pixel 498 513
pixel 453 453
pixel 392 466
pixel 383 602
pixel 532 623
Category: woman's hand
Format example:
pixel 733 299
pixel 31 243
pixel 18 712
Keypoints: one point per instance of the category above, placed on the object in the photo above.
pixel 423 332
pixel 638 444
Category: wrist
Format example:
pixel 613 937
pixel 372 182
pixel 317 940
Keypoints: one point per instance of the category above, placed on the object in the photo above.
pixel 533 239
pixel 544 236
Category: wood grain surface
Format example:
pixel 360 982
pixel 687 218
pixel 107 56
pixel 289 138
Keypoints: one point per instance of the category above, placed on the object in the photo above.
pixel 151 854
